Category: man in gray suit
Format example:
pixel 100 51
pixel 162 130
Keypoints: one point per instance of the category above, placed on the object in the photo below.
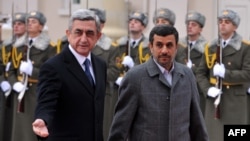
pixel 159 100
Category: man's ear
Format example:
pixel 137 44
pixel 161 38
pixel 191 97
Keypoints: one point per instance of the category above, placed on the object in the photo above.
pixel 99 34
pixel 67 33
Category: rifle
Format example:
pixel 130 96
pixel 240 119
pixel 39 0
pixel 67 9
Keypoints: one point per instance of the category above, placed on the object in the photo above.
pixel 188 47
pixel 70 8
pixel 127 51
pixel 219 79
pixel 188 50
pixel 24 81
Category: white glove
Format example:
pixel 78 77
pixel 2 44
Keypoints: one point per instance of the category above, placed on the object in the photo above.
pixel 119 80
pixel 128 61
pixel 213 92
pixel 26 67
pixel 219 70
pixel 5 86
pixel 248 91
pixel 189 64
pixel 18 87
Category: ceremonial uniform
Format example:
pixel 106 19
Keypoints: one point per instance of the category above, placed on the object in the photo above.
pixel 36 53
pixel 6 98
pixel 140 52
pixel 234 102
pixel 132 50
pixel 196 51
pixel 136 45
pixel 191 47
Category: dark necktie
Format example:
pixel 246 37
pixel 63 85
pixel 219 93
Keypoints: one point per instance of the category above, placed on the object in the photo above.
pixel 87 72
pixel 133 44
pixel 30 42
pixel 190 45
pixel 224 43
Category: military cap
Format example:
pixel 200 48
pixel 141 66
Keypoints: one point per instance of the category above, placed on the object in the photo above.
pixel 100 13
pixel 230 15
pixel 165 14
pixel 196 16
pixel 37 15
pixel 21 17
pixel 139 16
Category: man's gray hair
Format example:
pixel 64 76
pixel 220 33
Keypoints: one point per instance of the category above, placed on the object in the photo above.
pixel 84 15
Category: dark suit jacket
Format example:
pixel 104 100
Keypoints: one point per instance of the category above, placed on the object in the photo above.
pixel 71 108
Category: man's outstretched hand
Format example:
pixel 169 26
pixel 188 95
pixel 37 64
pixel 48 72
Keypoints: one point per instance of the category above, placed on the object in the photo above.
pixel 40 128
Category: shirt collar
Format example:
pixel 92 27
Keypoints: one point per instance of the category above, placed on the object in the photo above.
pixel 136 41
pixel 163 69
pixel 80 59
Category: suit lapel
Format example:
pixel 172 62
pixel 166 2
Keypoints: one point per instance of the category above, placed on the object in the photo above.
pixel 97 75
pixel 177 73
pixel 76 70
pixel 153 70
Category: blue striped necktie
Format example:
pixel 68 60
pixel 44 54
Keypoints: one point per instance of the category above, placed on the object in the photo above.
pixel 87 72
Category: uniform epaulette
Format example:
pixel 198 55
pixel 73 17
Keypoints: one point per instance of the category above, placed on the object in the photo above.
pixel 52 44
pixel 114 44
pixel 246 42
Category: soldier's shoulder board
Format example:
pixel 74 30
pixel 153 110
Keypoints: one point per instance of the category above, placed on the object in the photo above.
pixel 246 42
pixel 52 44
pixel 114 44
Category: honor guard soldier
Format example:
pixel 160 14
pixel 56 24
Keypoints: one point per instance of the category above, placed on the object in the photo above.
pixel 193 46
pixel 133 49
pixel 106 51
pixel 26 62
pixel 17 40
pixel 223 76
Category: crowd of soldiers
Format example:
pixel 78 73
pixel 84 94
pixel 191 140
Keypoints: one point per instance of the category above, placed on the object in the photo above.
pixel 22 55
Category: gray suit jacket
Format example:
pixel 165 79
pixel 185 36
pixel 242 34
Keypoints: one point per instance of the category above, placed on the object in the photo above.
pixel 149 109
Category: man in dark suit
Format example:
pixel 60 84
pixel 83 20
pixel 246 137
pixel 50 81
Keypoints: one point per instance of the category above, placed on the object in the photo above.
pixel 70 94
pixel 159 100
